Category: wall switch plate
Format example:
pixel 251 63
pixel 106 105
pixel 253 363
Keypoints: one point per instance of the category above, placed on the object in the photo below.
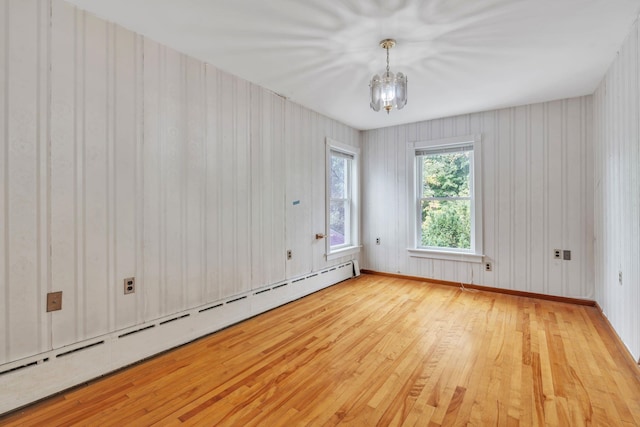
pixel 557 254
pixel 129 285
pixel 54 301
pixel 488 266
pixel 566 255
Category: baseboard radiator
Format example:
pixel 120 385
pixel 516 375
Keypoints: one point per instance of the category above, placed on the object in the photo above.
pixel 30 379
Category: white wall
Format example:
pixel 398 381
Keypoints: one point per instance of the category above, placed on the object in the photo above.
pixel 538 196
pixel 617 192
pixel 120 158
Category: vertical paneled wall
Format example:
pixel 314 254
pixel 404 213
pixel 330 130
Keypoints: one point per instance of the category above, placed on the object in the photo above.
pixel 537 196
pixel 267 187
pixel 24 178
pixel 305 175
pixel 123 158
pixel 617 193
pixel 95 141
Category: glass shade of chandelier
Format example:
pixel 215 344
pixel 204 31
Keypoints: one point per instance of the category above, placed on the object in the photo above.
pixel 389 90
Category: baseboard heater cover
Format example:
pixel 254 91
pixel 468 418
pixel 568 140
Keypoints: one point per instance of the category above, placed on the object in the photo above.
pixel 33 378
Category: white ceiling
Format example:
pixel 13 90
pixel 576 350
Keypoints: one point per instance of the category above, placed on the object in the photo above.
pixel 460 56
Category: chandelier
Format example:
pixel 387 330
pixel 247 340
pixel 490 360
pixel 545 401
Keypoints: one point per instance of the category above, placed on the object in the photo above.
pixel 390 90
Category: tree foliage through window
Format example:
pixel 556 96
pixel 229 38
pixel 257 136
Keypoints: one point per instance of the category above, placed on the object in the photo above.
pixel 340 203
pixel 445 200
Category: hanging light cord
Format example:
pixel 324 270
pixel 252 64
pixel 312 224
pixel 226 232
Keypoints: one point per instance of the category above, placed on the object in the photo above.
pixel 387 60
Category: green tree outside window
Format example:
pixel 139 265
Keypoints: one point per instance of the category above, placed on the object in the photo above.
pixel 445 200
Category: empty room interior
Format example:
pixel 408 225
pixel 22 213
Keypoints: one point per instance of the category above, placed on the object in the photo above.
pixel 283 212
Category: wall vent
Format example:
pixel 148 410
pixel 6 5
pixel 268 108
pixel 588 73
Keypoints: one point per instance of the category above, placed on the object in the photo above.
pixel 136 331
pixel 262 291
pixel 210 308
pixel 312 275
pixel 236 299
pixel 174 319
pixel 66 353
pixel 298 280
pixel 279 286
pixel 26 365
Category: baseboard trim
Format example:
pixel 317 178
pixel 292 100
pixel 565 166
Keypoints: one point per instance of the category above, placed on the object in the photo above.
pixel 555 298
pixel 617 341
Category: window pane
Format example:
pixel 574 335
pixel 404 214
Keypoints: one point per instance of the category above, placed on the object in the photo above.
pixel 338 213
pixel 446 224
pixel 445 175
pixel 339 177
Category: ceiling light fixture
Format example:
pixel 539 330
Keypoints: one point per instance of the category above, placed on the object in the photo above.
pixel 390 90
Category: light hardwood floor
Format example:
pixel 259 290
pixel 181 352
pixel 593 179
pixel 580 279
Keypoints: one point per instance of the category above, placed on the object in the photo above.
pixel 376 351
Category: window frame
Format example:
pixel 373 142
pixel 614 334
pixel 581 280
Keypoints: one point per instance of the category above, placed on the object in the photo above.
pixel 354 192
pixel 475 253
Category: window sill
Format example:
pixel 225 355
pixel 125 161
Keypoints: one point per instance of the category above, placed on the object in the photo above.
pixel 447 255
pixel 350 250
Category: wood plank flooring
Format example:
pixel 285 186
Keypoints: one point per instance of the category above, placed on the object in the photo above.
pixel 375 351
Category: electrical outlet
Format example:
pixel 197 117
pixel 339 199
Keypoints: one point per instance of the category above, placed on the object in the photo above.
pixel 377 240
pixel 289 254
pixel 557 254
pixel 566 255
pixel 129 285
pixel 488 266
pixel 54 301
pixel 620 277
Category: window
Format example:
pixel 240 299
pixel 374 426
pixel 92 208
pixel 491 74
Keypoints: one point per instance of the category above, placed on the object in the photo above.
pixel 342 199
pixel 446 221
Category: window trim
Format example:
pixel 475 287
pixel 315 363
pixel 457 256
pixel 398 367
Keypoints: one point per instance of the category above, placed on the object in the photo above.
pixel 354 246
pixel 475 254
